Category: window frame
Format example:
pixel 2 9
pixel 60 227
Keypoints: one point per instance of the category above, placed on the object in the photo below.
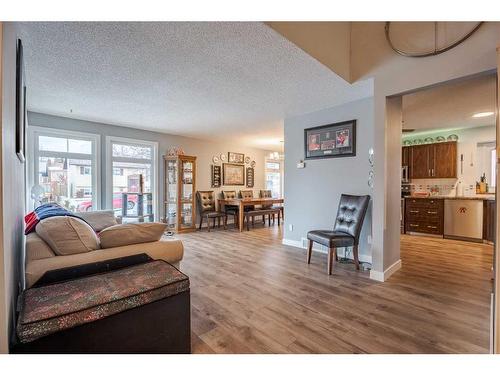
pixel 154 166
pixel 34 132
pixel 280 171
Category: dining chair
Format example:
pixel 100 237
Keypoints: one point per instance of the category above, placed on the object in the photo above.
pixel 269 194
pixel 248 194
pixel 348 223
pixel 207 208
pixel 231 209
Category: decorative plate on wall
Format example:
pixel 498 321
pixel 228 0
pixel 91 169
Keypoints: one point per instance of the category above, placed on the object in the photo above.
pixel 215 159
pixel 247 159
pixel 453 137
pixel 223 157
pixel 440 138
pixel 252 164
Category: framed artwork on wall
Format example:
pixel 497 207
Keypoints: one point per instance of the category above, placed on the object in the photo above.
pixel 21 117
pixel 235 157
pixel 216 176
pixel 250 177
pixel 331 141
pixel 233 174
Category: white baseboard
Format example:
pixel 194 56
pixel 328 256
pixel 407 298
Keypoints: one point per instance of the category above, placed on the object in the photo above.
pixel 323 249
pixel 383 276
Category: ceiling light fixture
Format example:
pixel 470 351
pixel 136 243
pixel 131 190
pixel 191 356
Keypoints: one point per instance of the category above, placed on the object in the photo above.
pixel 482 114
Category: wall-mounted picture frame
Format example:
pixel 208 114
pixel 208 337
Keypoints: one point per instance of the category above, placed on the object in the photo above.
pixel 250 177
pixel 330 141
pixel 233 174
pixel 216 176
pixel 21 115
pixel 235 157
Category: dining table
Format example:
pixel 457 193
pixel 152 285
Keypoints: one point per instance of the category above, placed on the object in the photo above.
pixel 242 202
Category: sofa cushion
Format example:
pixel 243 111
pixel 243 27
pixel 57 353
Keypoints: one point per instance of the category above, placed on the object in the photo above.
pixel 169 250
pixel 129 234
pixel 36 248
pixel 99 220
pixel 67 235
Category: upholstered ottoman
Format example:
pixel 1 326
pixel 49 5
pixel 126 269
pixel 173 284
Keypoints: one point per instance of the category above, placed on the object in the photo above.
pixel 143 308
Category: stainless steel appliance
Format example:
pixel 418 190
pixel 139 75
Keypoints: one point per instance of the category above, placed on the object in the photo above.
pixel 463 219
pixel 406 190
pixel 405 177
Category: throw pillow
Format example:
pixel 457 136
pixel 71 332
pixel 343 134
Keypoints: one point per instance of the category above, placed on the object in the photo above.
pixel 129 234
pixel 67 235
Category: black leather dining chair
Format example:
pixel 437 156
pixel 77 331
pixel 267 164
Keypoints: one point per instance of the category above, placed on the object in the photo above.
pixel 346 231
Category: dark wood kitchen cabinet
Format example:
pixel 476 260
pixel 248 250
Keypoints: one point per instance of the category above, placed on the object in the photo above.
pixel 437 160
pixel 424 215
pixel 489 220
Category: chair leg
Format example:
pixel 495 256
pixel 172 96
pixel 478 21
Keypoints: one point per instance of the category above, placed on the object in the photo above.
pixel 274 217
pixel 269 219
pixel 218 222
pixel 331 251
pixel 309 251
pixel 279 219
pixel 264 219
pixel 201 221
pixel 253 221
pixel 336 256
pixel 208 223
pixel 247 218
pixel 225 222
pixel 356 256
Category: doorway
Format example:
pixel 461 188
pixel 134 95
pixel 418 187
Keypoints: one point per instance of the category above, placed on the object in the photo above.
pixel 448 198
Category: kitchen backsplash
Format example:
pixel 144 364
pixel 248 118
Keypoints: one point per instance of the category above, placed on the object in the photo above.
pixel 443 186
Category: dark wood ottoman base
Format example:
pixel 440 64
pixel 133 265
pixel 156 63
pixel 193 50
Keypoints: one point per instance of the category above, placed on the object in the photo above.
pixel 159 327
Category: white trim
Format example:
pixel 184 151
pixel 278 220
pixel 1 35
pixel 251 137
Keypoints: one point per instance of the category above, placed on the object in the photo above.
pixel 323 249
pixel 95 157
pixel 154 166
pixel 383 276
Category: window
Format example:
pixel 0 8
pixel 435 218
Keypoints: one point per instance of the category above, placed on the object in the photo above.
pixel 274 178
pixel 85 170
pixel 128 159
pixel 486 163
pixel 65 165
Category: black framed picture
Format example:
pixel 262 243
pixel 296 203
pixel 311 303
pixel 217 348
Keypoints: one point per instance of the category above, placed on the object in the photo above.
pixel 250 177
pixel 235 157
pixel 21 115
pixel 331 141
pixel 216 176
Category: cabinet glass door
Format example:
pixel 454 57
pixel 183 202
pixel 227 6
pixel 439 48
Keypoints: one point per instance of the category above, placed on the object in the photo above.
pixel 171 214
pixel 187 170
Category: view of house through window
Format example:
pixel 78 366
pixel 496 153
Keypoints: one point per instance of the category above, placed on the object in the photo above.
pixel 130 161
pixel 65 169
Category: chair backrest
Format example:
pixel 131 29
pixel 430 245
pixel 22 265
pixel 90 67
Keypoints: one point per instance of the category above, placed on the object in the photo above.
pixel 266 194
pixel 245 194
pixel 229 194
pixel 351 213
pixel 205 201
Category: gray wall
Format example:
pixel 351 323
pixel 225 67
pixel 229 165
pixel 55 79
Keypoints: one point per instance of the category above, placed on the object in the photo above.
pixel 203 150
pixel 13 188
pixel 313 193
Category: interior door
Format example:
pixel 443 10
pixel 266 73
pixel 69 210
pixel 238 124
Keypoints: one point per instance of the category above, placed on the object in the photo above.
pixel 419 157
pixel 444 160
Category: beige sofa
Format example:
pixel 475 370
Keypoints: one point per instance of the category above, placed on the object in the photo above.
pixel 40 258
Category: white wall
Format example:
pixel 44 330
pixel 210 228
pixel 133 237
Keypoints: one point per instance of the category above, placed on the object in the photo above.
pixel 13 187
pixel 203 150
pixel 394 74
pixel 313 193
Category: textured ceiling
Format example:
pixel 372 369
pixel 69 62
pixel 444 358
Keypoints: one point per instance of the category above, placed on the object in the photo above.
pixel 451 106
pixel 212 80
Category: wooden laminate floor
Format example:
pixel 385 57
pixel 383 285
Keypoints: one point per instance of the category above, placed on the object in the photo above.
pixel 251 294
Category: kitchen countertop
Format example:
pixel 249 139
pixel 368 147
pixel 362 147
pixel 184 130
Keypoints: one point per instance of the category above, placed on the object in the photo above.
pixel 478 197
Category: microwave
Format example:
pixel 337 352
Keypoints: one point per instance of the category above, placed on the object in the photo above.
pixel 405 175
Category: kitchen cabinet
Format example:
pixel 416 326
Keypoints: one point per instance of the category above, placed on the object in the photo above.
pixel 424 215
pixel 489 220
pixel 437 160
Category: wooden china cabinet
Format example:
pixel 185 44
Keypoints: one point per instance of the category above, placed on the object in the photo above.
pixel 179 193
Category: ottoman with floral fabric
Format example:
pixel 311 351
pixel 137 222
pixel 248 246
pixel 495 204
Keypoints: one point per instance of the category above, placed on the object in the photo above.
pixel 143 308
